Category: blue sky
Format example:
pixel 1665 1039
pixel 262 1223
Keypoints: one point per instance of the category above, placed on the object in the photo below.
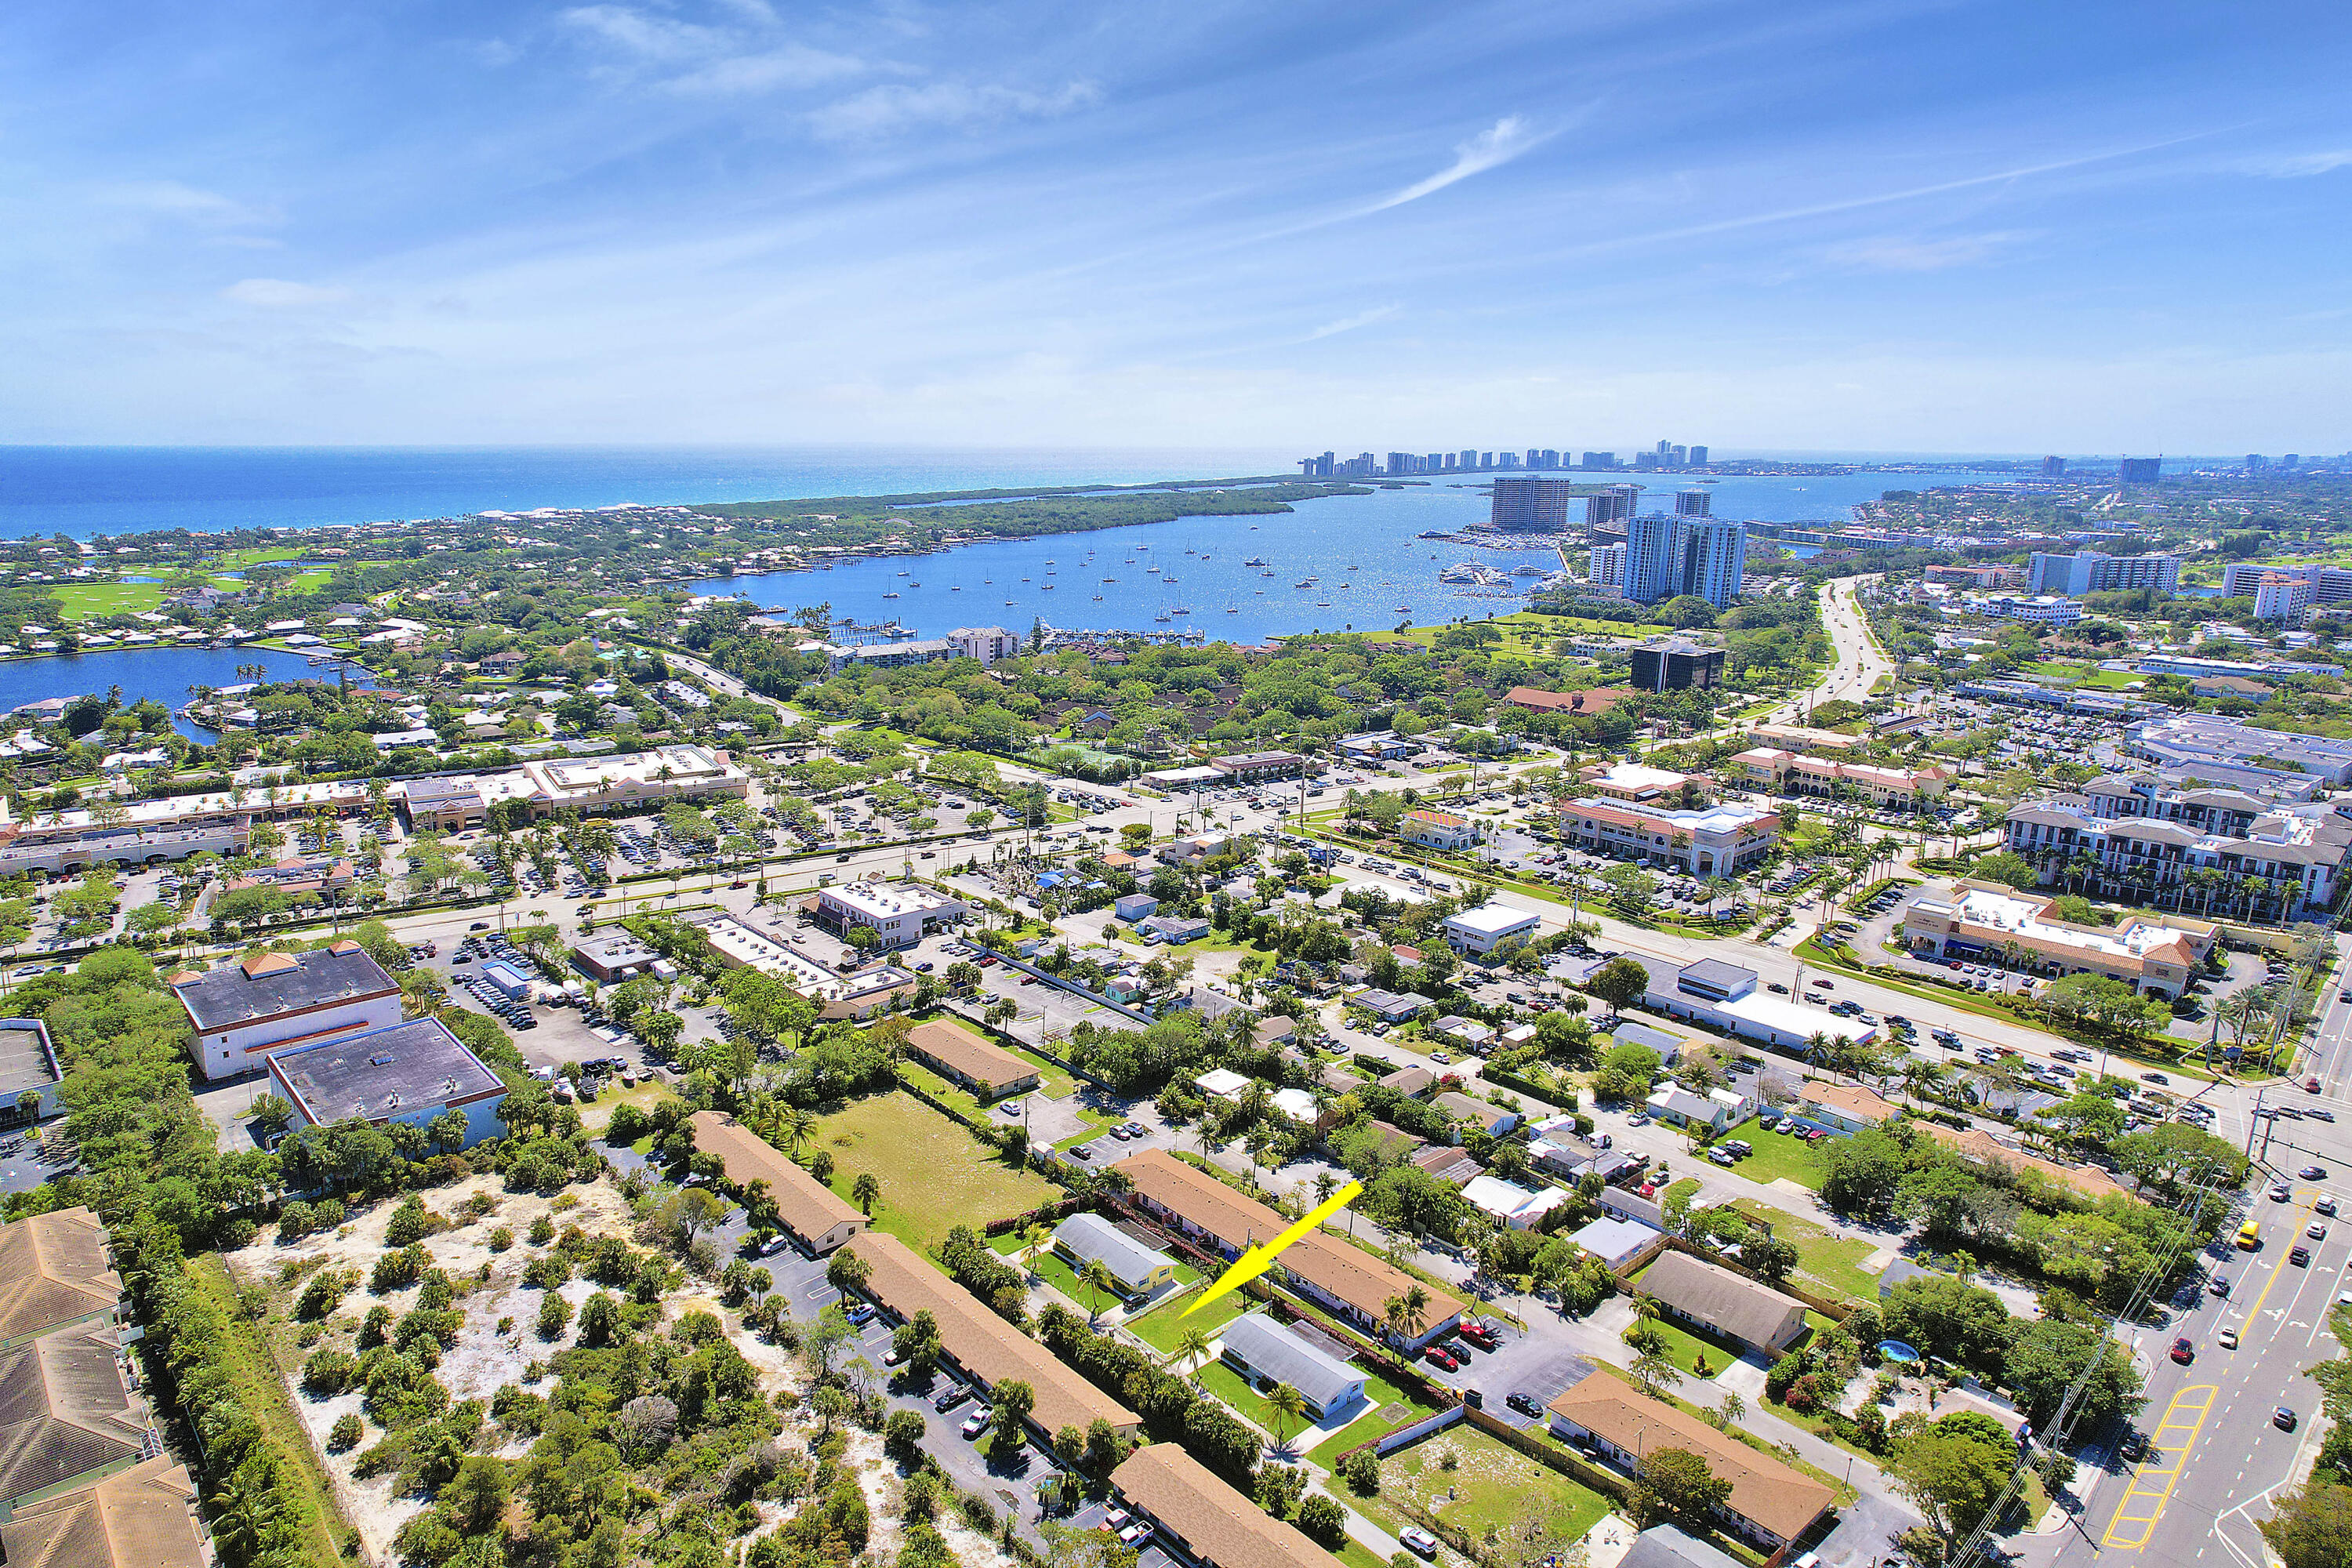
pixel 1875 225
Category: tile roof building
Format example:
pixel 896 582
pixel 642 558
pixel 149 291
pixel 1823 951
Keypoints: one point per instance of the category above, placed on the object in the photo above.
pixel 1331 1272
pixel 811 1211
pixel 955 1053
pixel 240 1011
pixel 144 1517
pixel 991 1351
pixel 1728 1305
pixel 1207 1520
pixel 1770 1504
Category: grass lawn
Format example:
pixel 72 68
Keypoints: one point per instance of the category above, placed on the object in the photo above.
pixel 1778 1157
pixel 260 1387
pixel 1488 1488
pixel 933 1175
pixel 1159 1327
pixel 1826 1259
pixel 88 601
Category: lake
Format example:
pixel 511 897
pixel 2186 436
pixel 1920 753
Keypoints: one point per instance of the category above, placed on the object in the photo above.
pixel 162 673
pixel 1199 565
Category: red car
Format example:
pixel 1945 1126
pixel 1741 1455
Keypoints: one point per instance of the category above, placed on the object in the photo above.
pixel 2183 1352
pixel 1438 1355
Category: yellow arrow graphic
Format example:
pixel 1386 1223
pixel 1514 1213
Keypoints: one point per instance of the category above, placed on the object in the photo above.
pixel 1254 1262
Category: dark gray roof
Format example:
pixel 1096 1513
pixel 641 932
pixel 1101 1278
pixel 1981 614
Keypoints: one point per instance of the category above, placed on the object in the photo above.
pixel 395 1070
pixel 273 983
pixel 1274 1352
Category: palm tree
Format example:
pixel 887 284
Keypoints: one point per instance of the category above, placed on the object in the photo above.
pixel 1095 1277
pixel 1192 1348
pixel 1286 1408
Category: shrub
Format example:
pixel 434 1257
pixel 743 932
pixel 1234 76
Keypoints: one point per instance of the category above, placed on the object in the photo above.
pixel 346 1434
pixel 327 1372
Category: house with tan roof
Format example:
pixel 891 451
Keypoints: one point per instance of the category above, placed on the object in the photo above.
pixel 1770 1504
pixel 1848 1107
pixel 1342 1278
pixel 144 1517
pixel 822 1218
pixel 1207 1520
pixel 961 1057
pixel 903 1282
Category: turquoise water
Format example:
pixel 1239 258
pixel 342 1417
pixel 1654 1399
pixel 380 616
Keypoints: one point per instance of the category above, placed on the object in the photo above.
pixel 1395 575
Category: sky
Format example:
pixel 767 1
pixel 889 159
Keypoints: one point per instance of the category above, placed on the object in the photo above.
pixel 1875 225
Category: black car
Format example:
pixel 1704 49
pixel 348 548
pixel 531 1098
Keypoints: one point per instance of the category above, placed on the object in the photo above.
pixel 1524 1403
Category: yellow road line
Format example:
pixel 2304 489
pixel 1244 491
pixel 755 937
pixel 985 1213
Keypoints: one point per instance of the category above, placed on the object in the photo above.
pixel 2134 1523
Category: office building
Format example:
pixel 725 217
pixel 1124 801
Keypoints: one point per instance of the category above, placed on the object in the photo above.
pixel 239 1012
pixel 1672 664
pixel 412 1072
pixel 1698 457
pixel 1694 503
pixel 2053 468
pixel 1597 460
pixel 1608 566
pixel 1532 506
pixel 2139 471
pixel 2092 571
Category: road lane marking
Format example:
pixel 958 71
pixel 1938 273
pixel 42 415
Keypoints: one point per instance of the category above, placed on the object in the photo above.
pixel 2133 1524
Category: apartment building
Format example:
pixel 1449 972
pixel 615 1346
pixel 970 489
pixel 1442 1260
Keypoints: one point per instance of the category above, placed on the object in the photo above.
pixel 1708 841
pixel 1980 920
pixel 2280 865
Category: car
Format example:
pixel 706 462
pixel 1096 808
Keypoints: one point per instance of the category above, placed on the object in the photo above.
pixel 2283 1418
pixel 1524 1403
pixel 2183 1352
pixel 1439 1356
pixel 2313 1172
pixel 2228 1337
pixel 1419 1542
pixel 2299 1255
pixel 951 1398
pixel 973 1425
pixel 2219 1285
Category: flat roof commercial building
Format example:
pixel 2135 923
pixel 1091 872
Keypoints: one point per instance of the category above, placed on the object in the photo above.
pixel 1352 1284
pixel 1770 1504
pixel 240 1011
pixel 820 1218
pixel 990 1350
pixel 1981 920
pixel 955 1053
pixel 1206 1520
pixel 1723 1303
pixel 412 1071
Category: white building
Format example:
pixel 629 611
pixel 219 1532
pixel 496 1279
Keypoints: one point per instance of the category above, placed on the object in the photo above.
pixel 901 913
pixel 240 1012
pixel 1481 929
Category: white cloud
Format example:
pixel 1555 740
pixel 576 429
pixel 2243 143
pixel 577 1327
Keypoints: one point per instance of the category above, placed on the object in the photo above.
pixel 1349 323
pixel 2300 165
pixel 1889 253
pixel 1497 145
pixel 170 198
pixel 880 112
pixel 278 294
pixel 794 65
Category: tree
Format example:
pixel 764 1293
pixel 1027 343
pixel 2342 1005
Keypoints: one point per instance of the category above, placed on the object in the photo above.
pixel 1620 982
pixel 2311 1527
pixel 1952 1476
pixel 1685 1490
pixel 1014 1401
pixel 1286 1408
